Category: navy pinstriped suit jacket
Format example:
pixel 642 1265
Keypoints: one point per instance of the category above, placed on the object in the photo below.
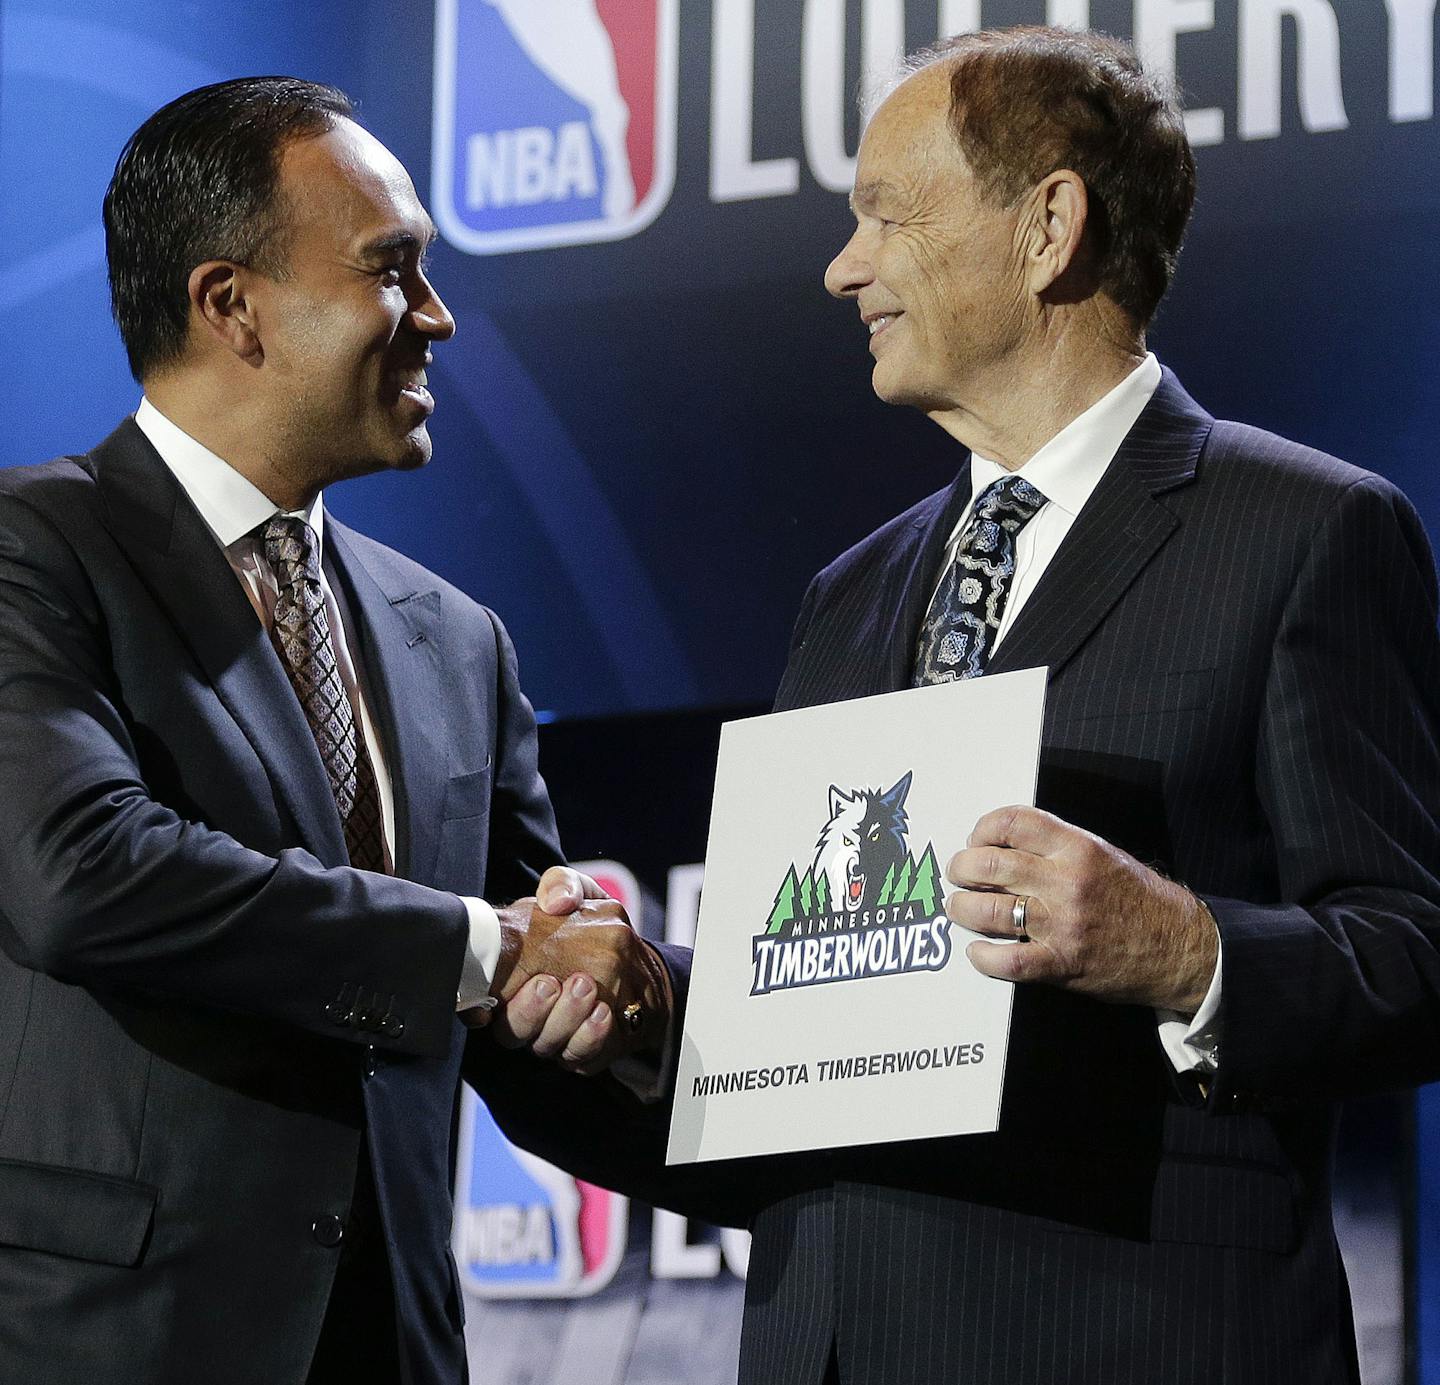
pixel 1244 690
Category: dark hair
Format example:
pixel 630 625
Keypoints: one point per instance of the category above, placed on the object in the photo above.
pixel 196 182
pixel 1029 100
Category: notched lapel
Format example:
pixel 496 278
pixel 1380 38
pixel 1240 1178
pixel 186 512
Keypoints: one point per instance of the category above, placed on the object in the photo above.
pixel 188 577
pixel 400 643
pixel 1119 531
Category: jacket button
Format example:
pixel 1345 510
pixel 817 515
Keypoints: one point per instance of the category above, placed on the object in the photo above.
pixel 392 1026
pixel 341 1010
pixel 369 1060
pixel 329 1230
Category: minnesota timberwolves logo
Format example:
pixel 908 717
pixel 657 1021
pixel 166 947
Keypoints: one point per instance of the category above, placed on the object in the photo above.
pixel 866 905
pixel 554 120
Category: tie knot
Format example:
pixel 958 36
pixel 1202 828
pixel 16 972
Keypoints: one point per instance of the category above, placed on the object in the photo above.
pixel 290 548
pixel 1010 498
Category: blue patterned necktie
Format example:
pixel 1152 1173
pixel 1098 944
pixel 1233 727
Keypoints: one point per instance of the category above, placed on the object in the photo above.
pixel 302 636
pixel 964 616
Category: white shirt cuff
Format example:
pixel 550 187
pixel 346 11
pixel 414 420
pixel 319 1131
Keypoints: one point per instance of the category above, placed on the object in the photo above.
pixel 1194 1045
pixel 482 955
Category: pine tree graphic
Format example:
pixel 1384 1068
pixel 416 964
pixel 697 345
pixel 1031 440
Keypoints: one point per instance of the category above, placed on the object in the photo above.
pixel 884 896
pixel 822 894
pixel 902 883
pixel 925 889
pixel 784 909
pixel 807 897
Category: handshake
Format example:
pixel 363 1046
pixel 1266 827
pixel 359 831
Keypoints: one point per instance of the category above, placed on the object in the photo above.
pixel 575 982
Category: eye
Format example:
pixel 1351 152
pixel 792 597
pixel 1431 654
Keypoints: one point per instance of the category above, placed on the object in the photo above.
pixel 390 275
pixel 875 833
pixel 848 839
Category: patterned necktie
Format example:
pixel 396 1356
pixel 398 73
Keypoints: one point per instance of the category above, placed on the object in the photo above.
pixel 964 616
pixel 302 636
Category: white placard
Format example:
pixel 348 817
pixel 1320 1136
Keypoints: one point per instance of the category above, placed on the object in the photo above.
pixel 831 1001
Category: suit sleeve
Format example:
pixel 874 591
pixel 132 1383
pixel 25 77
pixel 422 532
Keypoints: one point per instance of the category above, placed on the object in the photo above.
pixel 104 887
pixel 596 1129
pixel 524 841
pixel 1336 989
pixel 786 694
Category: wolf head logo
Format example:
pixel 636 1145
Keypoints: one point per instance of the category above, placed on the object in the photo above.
pixel 863 841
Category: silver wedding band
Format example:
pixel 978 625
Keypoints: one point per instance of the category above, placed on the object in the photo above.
pixel 1017 917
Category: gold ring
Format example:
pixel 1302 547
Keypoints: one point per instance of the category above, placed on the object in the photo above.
pixel 1017 917
pixel 633 1016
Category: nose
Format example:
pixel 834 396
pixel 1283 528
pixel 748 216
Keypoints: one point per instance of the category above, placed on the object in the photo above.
pixel 850 270
pixel 430 315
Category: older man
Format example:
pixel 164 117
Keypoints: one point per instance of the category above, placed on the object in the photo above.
pixel 1227 903
pixel 259 772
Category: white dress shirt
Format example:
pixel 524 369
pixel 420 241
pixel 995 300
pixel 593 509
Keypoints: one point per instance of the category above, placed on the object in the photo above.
pixel 232 508
pixel 1066 471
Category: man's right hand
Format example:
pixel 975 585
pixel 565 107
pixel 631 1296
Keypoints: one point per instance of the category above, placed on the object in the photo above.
pixel 564 979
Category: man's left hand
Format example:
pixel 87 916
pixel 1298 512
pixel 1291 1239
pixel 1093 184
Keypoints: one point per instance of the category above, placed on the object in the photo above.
pixel 1097 921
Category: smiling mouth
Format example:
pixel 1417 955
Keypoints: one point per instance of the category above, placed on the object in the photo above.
pixel 881 323
pixel 414 386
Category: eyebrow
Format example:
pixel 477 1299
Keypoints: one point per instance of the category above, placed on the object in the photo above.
pixel 869 192
pixel 407 242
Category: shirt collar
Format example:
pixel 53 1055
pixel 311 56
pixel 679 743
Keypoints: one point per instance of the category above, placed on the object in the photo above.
pixel 230 505
pixel 1069 467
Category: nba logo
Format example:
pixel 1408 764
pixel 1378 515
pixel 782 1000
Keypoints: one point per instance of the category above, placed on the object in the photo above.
pixel 554 120
pixel 523 1228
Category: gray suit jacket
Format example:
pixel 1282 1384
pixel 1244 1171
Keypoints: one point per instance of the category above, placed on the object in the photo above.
pixel 202 1007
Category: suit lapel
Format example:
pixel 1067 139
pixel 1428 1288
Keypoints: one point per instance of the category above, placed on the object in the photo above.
pixel 189 578
pixel 396 636
pixel 1120 529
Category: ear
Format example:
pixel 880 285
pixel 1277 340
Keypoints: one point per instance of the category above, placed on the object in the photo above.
pixel 838 799
pixel 221 310
pixel 894 796
pixel 1060 210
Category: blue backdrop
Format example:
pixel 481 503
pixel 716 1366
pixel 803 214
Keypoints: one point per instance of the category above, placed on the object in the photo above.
pixel 645 444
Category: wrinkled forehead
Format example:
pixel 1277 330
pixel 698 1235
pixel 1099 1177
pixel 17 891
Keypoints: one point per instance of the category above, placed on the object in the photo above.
pixel 908 141
pixel 918 102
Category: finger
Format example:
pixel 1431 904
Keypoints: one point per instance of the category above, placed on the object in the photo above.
pixel 592 888
pixel 992 912
pixel 523 1016
pixel 1024 828
pixel 997 868
pixel 561 890
pixel 576 1001
pixel 586 1050
pixel 1021 962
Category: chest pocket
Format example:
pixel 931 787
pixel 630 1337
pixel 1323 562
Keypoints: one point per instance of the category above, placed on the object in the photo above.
pixel 467 795
pixel 464 833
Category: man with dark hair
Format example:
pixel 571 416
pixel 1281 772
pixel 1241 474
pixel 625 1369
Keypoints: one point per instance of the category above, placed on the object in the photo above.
pixel 261 774
pixel 1224 914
